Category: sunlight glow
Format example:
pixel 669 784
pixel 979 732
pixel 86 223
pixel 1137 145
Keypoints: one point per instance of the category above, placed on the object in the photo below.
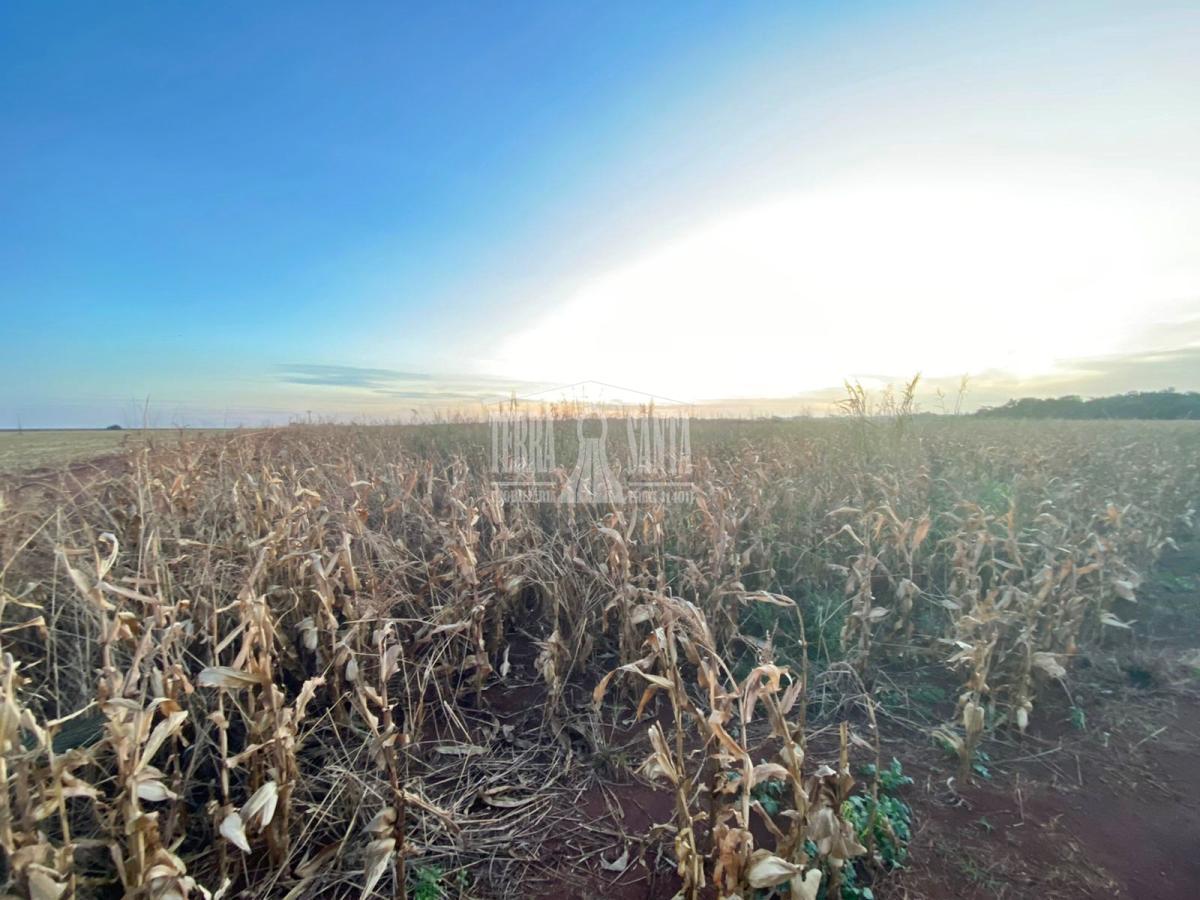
pixel 878 278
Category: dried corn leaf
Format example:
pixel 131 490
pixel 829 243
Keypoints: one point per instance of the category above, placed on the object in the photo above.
pixel 162 731
pixel 226 677
pixel 262 804
pixel 379 855
pixel 767 870
pixel 233 831
pixel 460 749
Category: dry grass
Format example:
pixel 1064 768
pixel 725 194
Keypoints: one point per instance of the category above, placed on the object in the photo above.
pixel 271 662
pixel 24 450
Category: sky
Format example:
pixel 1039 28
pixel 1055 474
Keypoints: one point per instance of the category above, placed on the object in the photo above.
pixel 232 214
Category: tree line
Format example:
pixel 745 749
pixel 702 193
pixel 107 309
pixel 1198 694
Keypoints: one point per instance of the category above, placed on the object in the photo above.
pixel 1168 404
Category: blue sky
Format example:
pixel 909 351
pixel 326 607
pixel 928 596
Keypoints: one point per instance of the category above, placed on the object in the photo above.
pixel 245 212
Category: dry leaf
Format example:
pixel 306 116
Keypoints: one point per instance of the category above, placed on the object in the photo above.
pixel 153 791
pixel 379 854
pixel 162 731
pixel 620 864
pixel 232 830
pixel 460 749
pixel 498 797
pixel 262 804
pixel 1124 590
pixel 1109 619
pixel 382 822
pixel 42 885
pixel 1049 664
pixel 767 870
pixel 225 677
pixel 807 886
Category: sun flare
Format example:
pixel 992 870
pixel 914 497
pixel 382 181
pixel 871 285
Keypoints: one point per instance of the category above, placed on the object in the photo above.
pixel 949 278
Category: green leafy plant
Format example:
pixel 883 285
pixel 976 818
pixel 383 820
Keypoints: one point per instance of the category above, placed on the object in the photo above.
pixel 891 779
pixel 928 695
pixel 952 745
pixel 979 765
pixel 769 794
pixel 427 883
pixel 852 890
pixel 1078 718
pixel 884 823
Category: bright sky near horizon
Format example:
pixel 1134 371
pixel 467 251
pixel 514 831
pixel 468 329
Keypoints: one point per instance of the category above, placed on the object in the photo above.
pixel 251 212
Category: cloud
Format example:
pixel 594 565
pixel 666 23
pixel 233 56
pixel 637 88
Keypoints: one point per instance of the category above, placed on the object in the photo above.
pixel 345 376
pixel 394 384
pixel 440 395
pixel 1101 376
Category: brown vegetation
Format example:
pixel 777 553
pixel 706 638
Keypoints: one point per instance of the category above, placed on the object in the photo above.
pixel 284 663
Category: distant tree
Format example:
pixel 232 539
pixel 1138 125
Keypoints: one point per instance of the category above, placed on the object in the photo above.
pixel 114 428
pixel 1168 404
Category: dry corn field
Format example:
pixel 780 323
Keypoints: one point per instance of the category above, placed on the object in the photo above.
pixel 330 661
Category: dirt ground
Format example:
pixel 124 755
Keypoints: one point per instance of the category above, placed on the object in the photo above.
pixel 1105 812
pixel 1101 803
pixel 1096 800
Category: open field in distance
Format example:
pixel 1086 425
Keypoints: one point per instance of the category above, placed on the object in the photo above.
pixel 23 450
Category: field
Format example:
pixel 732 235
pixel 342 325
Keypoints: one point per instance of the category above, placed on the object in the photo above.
pixel 866 657
pixel 24 450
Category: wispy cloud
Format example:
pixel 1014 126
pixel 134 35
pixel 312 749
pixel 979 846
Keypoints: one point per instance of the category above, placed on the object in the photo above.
pixel 446 395
pixel 1099 376
pixel 346 376
pixel 394 384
